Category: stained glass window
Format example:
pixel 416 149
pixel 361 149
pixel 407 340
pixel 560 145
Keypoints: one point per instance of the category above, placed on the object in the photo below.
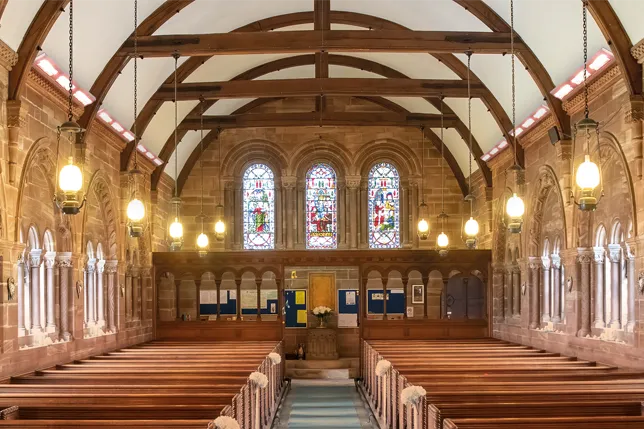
pixel 384 207
pixel 321 208
pixel 259 207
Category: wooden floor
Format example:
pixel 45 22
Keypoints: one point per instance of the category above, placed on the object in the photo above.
pixel 491 384
pixel 158 384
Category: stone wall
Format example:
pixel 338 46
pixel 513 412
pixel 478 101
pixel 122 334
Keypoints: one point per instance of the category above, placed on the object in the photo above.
pixel 565 248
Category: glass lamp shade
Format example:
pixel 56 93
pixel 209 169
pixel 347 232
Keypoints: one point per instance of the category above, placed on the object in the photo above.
pixel 176 229
pixel 587 177
pixel 471 228
pixel 423 228
pixel 70 179
pixel 515 207
pixel 135 210
pixel 442 241
pixel 202 241
pixel 220 227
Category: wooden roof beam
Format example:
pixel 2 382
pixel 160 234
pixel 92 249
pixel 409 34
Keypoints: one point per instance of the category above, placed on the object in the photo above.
pixel 315 41
pixel 305 119
pixel 310 87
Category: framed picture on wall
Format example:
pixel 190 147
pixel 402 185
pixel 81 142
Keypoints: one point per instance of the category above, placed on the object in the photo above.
pixel 417 294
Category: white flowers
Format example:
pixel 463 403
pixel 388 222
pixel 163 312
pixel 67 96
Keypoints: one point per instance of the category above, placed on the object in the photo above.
pixel 258 379
pixel 382 368
pixel 275 358
pixel 412 394
pixel 224 422
pixel 322 311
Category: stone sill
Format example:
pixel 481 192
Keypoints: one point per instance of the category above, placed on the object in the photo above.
pixel 41 339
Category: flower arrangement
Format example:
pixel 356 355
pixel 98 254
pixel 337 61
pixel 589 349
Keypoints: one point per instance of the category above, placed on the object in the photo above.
pixel 224 422
pixel 322 312
pixel 275 358
pixel 412 394
pixel 382 368
pixel 258 379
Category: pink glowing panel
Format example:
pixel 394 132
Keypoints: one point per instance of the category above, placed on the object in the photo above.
pixel 502 144
pixel 128 136
pixel 157 161
pixel 118 127
pixel 64 82
pixel 105 117
pixel 83 98
pixel 528 123
pixel 599 62
pixel 46 66
pixel 563 91
pixel 539 113
pixel 141 148
pixel 494 151
pixel 485 157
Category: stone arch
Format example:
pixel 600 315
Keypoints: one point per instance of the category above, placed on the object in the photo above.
pixel 99 189
pixel 40 158
pixel 546 183
pixel 245 153
pixel 321 150
pixel 399 154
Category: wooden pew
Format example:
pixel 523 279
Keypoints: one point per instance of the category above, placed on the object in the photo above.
pixel 614 422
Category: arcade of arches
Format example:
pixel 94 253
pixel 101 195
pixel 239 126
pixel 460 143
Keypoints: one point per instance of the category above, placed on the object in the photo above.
pixel 320 172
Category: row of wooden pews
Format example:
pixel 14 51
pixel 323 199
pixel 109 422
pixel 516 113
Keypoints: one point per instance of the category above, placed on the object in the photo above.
pixel 492 384
pixel 158 384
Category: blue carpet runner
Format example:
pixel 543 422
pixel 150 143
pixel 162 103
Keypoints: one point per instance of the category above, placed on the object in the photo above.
pixel 324 404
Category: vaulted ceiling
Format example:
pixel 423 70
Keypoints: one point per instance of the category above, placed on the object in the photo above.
pixel 550 30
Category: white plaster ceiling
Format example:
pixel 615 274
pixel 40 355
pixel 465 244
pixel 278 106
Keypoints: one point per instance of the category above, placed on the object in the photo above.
pixel 552 29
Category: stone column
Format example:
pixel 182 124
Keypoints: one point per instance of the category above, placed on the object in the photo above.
pixel 630 261
pixel 411 226
pixel 288 184
pixel 363 216
pixel 280 298
pixel 615 255
pixel 341 215
pixel 16 120
pixel 238 300
pixel 598 263
pixel 111 268
pixel 21 296
pixel 353 182
pixel 136 292
pixel 507 290
pixel 556 288
pixel 34 263
pixel 534 264
pixel 545 309
pixel 50 262
pixel 238 222
pixel 91 292
pixel 516 292
pixel 258 283
pixel 229 204
pixel 100 270
pixel 585 256
pixel 634 119
pixel 218 289
pixel 300 215
pixel 279 216
pixel 129 295
pixel 405 213
pixel 65 267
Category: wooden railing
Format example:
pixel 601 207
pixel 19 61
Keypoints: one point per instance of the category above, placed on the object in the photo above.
pixel 391 412
pixel 244 405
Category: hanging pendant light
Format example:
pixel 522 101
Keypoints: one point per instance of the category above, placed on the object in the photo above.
pixel 202 240
pixel 70 178
pixel 514 207
pixel 220 223
pixel 588 176
pixel 135 208
pixel 423 222
pixel 471 228
pixel 442 241
pixel 176 227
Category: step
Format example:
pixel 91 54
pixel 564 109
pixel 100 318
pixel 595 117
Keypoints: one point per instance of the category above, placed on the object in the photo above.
pixel 326 422
pixel 334 374
pixel 341 363
pixel 324 412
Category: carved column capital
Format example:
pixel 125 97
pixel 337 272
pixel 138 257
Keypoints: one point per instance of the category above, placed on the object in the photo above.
pixel 634 109
pixel 91 265
pixel 534 263
pixel 545 262
pixel 353 182
pixel 614 252
pixel 100 266
pixel 16 114
pixel 289 182
pixel 50 259
pixel 65 259
pixel 556 261
pixel 111 267
pixel 35 257
pixel 599 255
pixel 585 255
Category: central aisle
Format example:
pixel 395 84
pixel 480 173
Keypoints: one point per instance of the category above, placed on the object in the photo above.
pixel 320 404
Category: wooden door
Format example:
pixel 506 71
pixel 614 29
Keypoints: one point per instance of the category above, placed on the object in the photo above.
pixel 322 290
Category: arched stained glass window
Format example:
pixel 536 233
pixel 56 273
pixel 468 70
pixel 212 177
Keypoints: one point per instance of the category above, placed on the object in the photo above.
pixel 321 208
pixel 259 207
pixel 384 207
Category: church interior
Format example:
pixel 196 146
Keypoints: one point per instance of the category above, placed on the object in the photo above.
pixel 256 214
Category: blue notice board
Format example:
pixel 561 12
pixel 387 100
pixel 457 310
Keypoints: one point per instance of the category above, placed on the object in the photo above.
pixel 348 300
pixel 227 308
pixel 395 301
pixel 291 308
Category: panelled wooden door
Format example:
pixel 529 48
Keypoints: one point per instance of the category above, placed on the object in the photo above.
pixel 322 290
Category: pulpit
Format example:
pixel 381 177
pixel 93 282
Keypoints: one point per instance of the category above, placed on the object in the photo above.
pixel 321 344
